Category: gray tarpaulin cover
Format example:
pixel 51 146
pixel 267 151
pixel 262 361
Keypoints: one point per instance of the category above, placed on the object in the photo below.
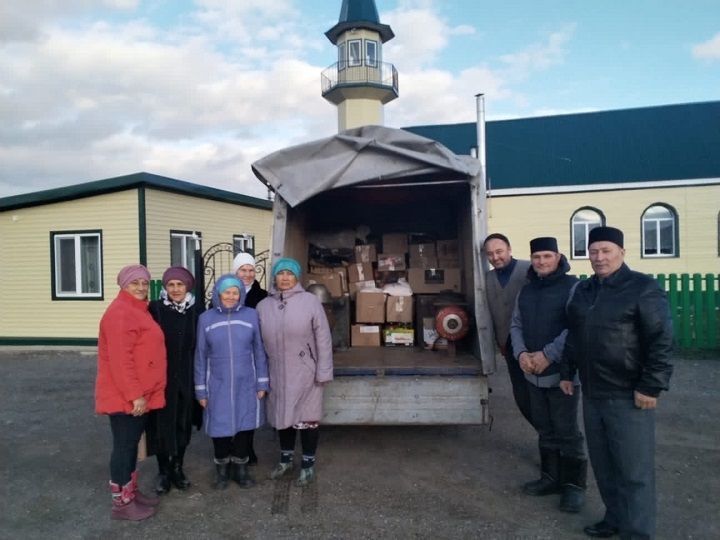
pixel 356 156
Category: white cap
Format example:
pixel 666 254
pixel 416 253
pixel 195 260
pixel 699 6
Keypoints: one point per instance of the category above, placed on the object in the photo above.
pixel 241 259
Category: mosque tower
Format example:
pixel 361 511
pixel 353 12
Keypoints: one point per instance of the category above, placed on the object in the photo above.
pixel 359 83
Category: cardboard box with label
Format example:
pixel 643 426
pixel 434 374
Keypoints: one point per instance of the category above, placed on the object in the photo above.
pixel 398 335
pixel 360 272
pixel 359 285
pixel 448 252
pixel 365 254
pixel 395 243
pixel 391 261
pixel 418 251
pixel 423 262
pixel 434 280
pixel 336 282
pixel 370 307
pixel 363 335
pixel 399 309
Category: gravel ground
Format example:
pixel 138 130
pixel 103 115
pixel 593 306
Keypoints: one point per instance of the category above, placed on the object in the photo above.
pixel 373 482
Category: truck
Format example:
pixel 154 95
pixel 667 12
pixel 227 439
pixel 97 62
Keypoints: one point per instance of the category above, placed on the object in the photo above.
pixel 387 181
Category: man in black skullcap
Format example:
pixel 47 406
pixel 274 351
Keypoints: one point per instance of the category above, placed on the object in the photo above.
pixel 620 341
pixel 538 330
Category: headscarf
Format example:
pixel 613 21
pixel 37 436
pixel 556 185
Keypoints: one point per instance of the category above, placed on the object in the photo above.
pixel 130 273
pixel 241 259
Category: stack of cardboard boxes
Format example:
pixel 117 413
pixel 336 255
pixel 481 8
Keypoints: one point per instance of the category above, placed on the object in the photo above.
pixel 380 318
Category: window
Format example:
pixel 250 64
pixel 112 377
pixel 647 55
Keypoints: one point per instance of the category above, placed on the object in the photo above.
pixel 244 243
pixel 342 60
pixel 582 222
pixel 182 248
pixel 354 52
pixel 76 265
pixel 718 231
pixel 659 232
pixel 371 49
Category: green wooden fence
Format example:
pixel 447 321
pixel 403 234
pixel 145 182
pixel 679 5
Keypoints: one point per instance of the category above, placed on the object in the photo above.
pixel 695 307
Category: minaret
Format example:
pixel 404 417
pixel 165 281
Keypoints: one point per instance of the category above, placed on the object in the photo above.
pixel 360 83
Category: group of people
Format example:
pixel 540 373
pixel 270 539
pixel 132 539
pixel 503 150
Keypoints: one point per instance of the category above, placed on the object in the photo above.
pixel 170 364
pixel 608 338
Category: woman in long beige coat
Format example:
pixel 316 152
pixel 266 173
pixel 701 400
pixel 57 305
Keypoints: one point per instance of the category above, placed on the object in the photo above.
pixel 298 343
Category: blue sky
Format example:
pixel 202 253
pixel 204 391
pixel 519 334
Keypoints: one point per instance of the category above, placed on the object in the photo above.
pixel 199 89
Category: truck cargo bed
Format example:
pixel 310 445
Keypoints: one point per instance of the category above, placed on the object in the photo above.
pixel 381 361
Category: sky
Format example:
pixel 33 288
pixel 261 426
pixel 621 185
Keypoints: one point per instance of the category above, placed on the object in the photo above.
pixel 197 90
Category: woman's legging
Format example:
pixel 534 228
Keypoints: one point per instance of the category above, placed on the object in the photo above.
pixel 237 446
pixel 126 432
pixel 308 440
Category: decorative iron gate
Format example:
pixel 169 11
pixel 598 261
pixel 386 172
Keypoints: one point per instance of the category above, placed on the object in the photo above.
pixel 217 260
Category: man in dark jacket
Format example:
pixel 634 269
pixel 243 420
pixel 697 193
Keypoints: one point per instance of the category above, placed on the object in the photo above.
pixel 538 330
pixel 620 340
pixel 503 283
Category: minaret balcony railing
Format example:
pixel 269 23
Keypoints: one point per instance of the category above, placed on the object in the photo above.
pixel 379 74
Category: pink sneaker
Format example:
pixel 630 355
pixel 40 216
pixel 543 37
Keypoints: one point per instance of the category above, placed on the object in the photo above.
pixel 125 506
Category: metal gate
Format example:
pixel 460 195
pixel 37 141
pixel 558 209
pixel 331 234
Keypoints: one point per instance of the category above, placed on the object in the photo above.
pixel 217 260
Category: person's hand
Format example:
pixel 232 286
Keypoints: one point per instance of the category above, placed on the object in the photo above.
pixel 139 406
pixel 261 394
pixel 203 403
pixel 526 362
pixel 644 402
pixel 540 362
pixel 567 387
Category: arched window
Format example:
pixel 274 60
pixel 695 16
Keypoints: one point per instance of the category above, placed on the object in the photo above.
pixel 659 232
pixel 581 223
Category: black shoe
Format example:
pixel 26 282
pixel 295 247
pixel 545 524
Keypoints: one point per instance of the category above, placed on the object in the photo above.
pixel 162 484
pixel 546 485
pixel 601 529
pixel 252 458
pixel 222 475
pixel 177 476
pixel 241 475
pixel 573 499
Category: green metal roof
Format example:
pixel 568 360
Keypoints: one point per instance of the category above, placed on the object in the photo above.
pixel 670 142
pixel 359 14
pixel 121 183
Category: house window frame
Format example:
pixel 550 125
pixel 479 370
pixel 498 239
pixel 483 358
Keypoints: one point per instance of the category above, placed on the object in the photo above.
pixel 342 58
pixel 376 61
pixel 675 233
pixel 56 293
pixel 358 61
pixel 186 258
pixel 244 239
pixel 600 214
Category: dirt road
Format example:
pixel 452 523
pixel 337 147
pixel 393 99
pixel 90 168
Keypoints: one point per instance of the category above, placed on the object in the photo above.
pixel 373 482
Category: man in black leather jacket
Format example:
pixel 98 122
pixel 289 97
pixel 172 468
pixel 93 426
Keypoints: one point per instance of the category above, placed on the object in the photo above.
pixel 620 340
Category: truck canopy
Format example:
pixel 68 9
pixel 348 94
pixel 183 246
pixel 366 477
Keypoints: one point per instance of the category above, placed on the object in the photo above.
pixel 367 154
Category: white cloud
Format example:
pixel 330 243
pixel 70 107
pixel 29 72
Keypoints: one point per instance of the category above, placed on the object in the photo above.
pixel 540 56
pixel 708 50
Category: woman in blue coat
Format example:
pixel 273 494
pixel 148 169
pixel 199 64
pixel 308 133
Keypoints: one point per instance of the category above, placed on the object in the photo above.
pixel 231 379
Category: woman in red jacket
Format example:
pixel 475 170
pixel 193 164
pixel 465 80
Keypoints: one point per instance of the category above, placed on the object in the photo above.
pixel 130 382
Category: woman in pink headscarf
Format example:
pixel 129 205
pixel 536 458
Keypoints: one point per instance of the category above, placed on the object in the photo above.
pixel 130 382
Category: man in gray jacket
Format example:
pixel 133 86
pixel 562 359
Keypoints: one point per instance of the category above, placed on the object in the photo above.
pixel 503 283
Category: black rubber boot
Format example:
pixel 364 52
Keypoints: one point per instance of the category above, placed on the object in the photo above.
pixel 222 473
pixel 252 457
pixel 241 473
pixel 548 482
pixel 573 479
pixel 177 475
pixel 162 481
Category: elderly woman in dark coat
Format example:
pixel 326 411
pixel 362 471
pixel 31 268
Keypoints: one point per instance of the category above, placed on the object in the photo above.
pixel 169 429
pixel 297 339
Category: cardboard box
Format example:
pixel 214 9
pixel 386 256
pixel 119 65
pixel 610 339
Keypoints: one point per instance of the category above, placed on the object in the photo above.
pixel 370 307
pixel 424 262
pixel 360 272
pixel 335 282
pixel 359 285
pixel 448 249
pixel 395 335
pixel 445 262
pixel 395 243
pixel 391 261
pixel 316 268
pixel 365 254
pixel 363 335
pixel 423 250
pixel 399 309
pixel 434 280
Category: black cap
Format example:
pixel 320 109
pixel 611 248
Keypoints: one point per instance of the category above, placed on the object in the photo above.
pixel 606 234
pixel 544 243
